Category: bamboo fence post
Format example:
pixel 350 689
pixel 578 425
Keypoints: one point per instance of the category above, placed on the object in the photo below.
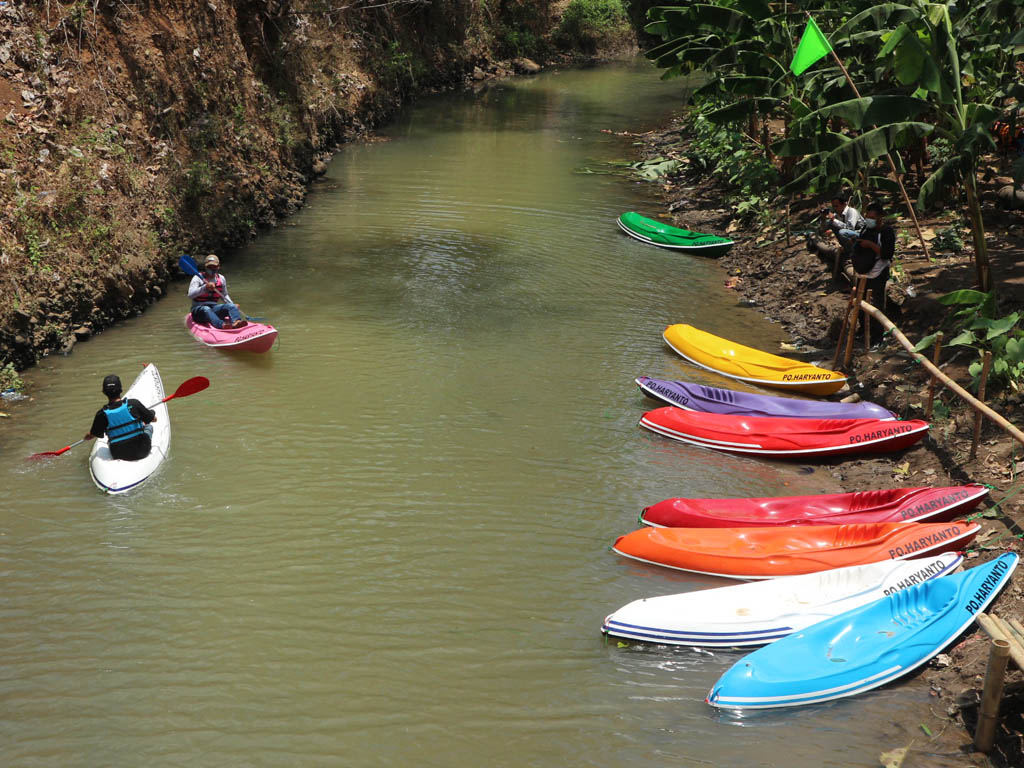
pixel 931 379
pixel 988 714
pixel 867 328
pixel 981 398
pixel 855 316
pixel 846 324
pixel 973 402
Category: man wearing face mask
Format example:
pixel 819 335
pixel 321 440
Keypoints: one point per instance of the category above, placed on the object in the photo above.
pixel 873 253
pixel 211 304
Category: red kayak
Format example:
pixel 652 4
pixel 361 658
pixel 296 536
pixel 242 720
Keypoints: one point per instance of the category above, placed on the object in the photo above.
pixel 765 553
pixel 894 505
pixel 782 437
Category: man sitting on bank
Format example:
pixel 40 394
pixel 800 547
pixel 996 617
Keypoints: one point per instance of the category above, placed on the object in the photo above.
pixel 126 423
pixel 211 304
pixel 844 221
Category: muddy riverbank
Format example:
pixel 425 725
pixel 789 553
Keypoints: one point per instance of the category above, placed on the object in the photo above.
pixel 794 286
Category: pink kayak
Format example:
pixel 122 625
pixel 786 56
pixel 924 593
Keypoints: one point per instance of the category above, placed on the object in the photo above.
pixel 893 505
pixel 253 337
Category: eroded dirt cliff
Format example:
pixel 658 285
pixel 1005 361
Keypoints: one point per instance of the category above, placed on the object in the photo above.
pixel 135 130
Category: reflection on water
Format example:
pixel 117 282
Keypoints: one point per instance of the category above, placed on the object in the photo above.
pixel 386 541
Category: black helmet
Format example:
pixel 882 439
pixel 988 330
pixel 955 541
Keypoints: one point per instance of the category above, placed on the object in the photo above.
pixel 112 386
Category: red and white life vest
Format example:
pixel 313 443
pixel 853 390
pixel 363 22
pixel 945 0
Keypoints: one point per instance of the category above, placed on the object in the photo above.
pixel 208 296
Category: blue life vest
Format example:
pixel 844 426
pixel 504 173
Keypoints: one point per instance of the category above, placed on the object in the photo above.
pixel 122 424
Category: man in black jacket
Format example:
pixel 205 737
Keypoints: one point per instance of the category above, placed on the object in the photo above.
pixel 873 252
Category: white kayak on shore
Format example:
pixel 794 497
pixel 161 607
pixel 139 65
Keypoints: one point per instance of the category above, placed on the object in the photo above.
pixel 764 611
pixel 115 476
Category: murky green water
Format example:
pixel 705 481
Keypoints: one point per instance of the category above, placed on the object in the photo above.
pixel 385 542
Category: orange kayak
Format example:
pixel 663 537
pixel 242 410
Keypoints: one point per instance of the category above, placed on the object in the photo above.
pixel 767 552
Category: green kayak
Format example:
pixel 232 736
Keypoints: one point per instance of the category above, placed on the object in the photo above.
pixel 656 233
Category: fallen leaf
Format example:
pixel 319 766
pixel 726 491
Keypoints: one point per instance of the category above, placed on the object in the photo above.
pixel 893 759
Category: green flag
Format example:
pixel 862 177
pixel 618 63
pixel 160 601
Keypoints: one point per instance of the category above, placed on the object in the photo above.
pixel 812 46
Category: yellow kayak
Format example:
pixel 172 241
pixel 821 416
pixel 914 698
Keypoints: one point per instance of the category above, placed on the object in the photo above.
pixel 750 365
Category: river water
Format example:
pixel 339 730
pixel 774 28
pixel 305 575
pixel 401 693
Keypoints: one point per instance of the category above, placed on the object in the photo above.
pixel 385 542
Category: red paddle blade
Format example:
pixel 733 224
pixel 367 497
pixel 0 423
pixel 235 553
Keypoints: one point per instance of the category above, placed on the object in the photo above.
pixel 47 454
pixel 189 387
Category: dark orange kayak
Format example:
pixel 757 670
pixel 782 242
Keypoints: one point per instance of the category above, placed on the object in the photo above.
pixel 767 552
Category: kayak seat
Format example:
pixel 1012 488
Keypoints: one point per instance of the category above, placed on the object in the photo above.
pixel 920 603
pixel 865 500
pixel 718 395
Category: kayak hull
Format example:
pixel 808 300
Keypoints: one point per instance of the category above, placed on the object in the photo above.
pixel 892 505
pixel 114 476
pixel 778 437
pixel 750 365
pixel 252 337
pixel 864 648
pixel 698 397
pixel 762 612
pixel 666 236
pixel 769 552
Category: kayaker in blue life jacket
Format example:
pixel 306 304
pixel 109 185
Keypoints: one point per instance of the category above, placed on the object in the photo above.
pixel 126 423
pixel 211 304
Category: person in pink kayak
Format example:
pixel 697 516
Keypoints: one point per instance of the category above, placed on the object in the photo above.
pixel 211 304
pixel 125 422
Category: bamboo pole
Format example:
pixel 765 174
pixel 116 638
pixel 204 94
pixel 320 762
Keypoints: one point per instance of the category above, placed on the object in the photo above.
pixel 887 325
pixel 996 632
pixel 867 326
pixel 1018 630
pixel 991 694
pixel 855 316
pixel 931 379
pixel 846 324
pixel 981 398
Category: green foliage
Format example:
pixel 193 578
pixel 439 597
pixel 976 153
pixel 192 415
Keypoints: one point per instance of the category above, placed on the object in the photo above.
pixel 730 156
pixel 586 22
pixel 949 238
pixel 198 182
pixel 977 326
pixel 9 379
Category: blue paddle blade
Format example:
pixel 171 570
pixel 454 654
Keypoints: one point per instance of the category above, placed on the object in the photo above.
pixel 188 265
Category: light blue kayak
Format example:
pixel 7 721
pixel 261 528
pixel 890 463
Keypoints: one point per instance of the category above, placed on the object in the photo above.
pixel 864 648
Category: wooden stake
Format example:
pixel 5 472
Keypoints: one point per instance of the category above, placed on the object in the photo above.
pixel 995 629
pixel 988 714
pixel 981 398
pixel 846 324
pixel 931 380
pixel 848 357
pixel 867 329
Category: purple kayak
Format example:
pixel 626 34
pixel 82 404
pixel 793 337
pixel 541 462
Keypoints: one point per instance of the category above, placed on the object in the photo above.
pixel 698 397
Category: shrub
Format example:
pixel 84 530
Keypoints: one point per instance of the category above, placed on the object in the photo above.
pixel 586 22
